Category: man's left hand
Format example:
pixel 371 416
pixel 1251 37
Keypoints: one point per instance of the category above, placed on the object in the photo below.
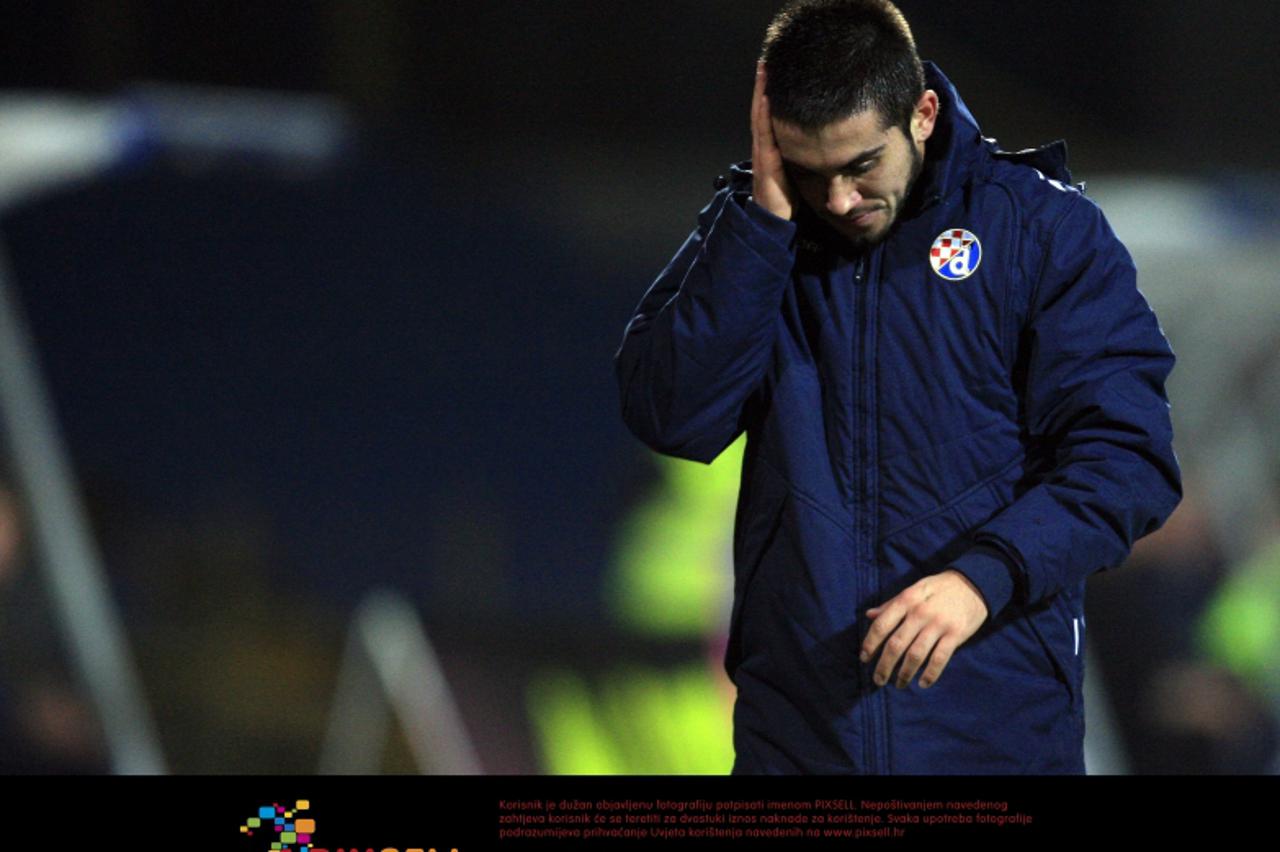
pixel 927 620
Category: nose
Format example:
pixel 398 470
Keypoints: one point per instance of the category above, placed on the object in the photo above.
pixel 842 196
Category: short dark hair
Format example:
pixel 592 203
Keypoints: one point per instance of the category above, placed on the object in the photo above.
pixel 830 59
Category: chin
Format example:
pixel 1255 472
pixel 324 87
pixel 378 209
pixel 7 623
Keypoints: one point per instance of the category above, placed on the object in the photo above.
pixel 863 238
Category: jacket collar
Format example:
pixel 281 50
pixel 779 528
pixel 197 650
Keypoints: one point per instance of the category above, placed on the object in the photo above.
pixel 957 150
pixel 952 153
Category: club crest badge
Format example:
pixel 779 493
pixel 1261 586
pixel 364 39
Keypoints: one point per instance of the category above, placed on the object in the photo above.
pixel 955 254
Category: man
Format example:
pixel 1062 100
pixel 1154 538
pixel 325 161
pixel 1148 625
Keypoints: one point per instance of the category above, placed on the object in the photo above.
pixel 953 395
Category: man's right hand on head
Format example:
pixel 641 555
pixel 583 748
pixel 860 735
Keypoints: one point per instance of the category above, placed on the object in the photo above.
pixel 770 187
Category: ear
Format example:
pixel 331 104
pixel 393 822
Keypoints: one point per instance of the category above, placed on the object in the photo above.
pixel 925 117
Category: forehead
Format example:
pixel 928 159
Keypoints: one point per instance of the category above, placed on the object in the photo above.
pixel 834 145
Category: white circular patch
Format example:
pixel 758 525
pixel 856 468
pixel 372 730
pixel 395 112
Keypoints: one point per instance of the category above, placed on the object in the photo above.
pixel 955 254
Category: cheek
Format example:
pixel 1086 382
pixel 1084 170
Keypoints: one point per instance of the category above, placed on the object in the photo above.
pixel 885 190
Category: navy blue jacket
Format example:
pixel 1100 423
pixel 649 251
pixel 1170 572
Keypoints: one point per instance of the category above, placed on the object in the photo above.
pixel 1011 424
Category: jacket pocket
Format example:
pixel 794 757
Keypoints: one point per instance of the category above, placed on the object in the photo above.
pixel 1048 624
pixel 1027 643
pixel 1061 640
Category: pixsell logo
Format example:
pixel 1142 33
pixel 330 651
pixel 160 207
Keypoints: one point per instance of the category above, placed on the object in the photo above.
pixel 282 827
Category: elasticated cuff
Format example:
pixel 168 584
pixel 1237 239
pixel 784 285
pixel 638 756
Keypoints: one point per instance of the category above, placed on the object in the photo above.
pixel 992 572
pixel 757 220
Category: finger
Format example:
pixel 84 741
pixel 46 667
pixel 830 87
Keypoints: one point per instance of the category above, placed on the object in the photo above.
pixel 894 647
pixel 762 119
pixel 757 96
pixel 916 655
pixel 886 616
pixel 768 142
pixel 884 622
pixel 938 661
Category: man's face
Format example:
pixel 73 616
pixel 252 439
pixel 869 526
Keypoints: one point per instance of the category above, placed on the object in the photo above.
pixel 856 173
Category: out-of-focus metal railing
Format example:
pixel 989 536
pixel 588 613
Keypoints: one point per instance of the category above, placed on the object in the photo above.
pixel 47 142
pixel 389 666
pixel 67 552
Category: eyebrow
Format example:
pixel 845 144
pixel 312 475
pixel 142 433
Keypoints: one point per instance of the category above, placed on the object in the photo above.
pixel 855 162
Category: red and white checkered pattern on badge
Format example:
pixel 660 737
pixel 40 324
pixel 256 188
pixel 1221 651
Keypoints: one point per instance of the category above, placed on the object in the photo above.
pixel 948 245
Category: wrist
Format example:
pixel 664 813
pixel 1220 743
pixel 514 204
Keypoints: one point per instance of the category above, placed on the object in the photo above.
pixel 973 588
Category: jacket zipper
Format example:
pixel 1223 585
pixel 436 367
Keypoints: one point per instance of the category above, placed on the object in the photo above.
pixel 876 703
pixel 864 556
pixel 872 513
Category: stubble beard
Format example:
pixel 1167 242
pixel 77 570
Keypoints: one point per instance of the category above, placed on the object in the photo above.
pixel 861 244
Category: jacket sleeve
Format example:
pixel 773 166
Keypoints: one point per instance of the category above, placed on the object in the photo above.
pixel 1095 363
pixel 703 335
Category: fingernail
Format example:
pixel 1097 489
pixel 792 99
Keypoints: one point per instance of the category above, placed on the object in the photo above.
pixel 864 656
pixel 925 684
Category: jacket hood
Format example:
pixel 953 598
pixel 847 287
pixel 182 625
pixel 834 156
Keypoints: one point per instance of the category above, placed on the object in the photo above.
pixel 957 149
pixel 951 154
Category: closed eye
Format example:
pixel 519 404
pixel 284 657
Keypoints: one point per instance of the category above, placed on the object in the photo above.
pixel 859 165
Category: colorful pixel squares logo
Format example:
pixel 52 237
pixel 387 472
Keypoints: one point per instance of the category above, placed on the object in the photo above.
pixel 282 827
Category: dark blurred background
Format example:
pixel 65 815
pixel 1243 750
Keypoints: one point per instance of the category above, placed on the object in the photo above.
pixel 282 385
